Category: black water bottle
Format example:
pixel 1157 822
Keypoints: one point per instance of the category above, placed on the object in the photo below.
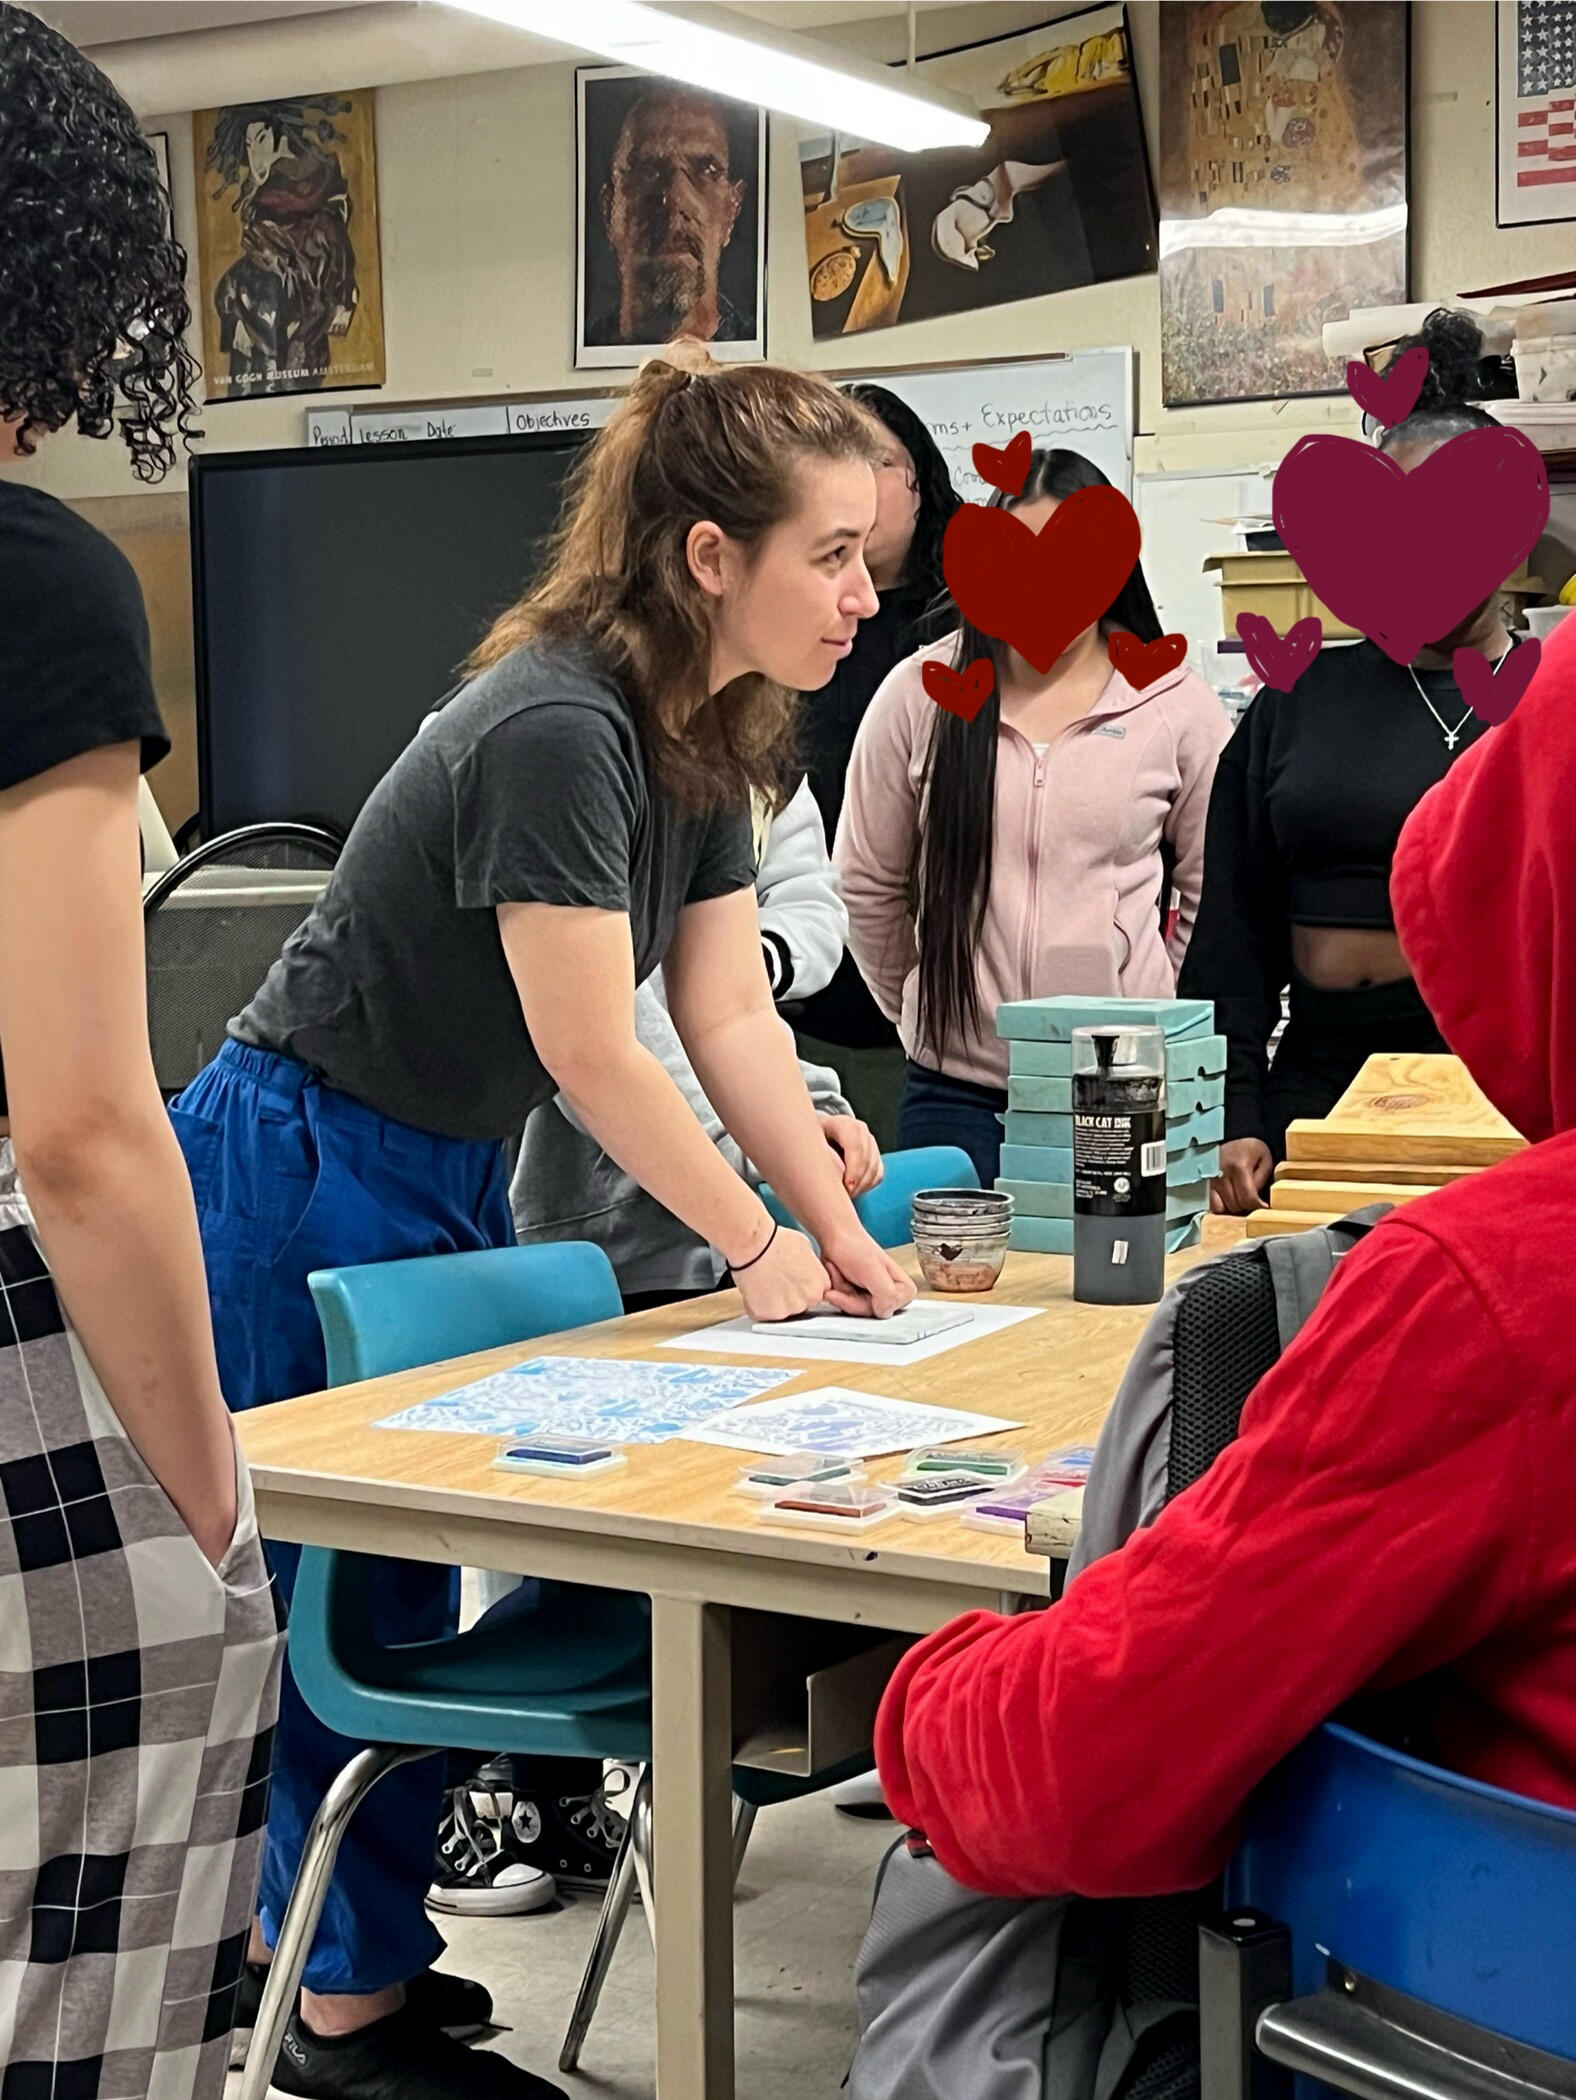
pixel 1119 1165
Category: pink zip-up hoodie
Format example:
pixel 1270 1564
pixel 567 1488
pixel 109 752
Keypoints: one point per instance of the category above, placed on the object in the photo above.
pixel 1074 901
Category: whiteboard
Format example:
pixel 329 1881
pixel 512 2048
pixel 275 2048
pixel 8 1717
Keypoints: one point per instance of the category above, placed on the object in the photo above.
pixel 1082 401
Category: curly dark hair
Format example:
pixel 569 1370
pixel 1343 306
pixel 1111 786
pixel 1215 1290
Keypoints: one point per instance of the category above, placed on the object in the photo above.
pixel 1452 385
pixel 92 283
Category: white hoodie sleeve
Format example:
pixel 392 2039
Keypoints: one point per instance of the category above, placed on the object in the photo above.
pixel 803 922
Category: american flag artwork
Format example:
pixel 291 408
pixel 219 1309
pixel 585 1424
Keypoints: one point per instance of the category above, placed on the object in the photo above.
pixel 1537 111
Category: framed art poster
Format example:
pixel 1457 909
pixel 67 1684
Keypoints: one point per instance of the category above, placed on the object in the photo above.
pixel 287 240
pixel 1283 204
pixel 670 218
pixel 1535 112
pixel 1059 194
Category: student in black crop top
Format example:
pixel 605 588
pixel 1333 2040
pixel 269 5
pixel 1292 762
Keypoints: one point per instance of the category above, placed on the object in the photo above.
pixel 1309 799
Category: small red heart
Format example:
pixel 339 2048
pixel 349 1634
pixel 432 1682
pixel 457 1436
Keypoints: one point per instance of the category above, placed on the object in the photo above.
pixel 1005 467
pixel 1389 397
pixel 1141 663
pixel 1492 692
pixel 1038 591
pixel 961 693
pixel 1279 660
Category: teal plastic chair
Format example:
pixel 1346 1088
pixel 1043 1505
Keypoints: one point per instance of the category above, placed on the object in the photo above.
pixel 884 1210
pixel 571 1679
pixel 391 1316
pixel 1392 1929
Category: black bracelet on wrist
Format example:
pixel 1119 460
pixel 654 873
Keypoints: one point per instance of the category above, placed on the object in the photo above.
pixel 737 1268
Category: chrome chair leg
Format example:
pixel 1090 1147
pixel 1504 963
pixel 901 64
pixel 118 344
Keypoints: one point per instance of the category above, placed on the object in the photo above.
pixel 744 1814
pixel 299 1927
pixel 640 1822
pixel 610 1927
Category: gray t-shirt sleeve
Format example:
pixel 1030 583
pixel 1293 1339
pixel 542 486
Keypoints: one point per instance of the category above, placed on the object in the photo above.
pixel 727 857
pixel 545 809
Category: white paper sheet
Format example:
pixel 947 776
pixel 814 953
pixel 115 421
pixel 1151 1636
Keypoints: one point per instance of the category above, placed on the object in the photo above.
pixel 734 1338
pixel 842 1424
pixel 615 1402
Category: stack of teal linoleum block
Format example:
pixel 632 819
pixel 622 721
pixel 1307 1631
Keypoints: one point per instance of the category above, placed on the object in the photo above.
pixel 1037 1157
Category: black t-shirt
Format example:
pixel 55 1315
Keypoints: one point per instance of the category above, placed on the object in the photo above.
pixel 528 787
pixel 1308 803
pixel 74 662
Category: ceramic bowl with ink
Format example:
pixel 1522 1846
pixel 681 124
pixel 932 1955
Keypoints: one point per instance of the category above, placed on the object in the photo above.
pixel 960 1236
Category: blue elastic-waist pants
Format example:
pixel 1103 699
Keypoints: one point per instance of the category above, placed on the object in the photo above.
pixel 291 1176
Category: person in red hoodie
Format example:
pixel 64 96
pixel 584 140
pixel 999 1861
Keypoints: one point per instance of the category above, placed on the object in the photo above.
pixel 1397 1506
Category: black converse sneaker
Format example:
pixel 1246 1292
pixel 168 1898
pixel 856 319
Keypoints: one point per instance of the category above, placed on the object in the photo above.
pixel 482 1869
pixel 562 1813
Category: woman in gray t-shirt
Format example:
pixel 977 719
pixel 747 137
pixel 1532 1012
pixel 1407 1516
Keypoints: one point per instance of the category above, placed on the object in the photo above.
pixel 577 817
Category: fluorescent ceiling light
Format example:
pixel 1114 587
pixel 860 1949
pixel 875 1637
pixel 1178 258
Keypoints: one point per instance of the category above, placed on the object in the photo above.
pixel 792 74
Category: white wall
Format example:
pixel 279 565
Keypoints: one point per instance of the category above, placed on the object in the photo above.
pixel 476 187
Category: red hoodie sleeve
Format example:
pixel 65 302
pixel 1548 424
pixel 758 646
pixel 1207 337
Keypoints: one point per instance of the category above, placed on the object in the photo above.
pixel 1366 1526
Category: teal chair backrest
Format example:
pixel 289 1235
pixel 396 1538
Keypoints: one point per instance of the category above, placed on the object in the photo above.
pixel 394 1315
pixel 884 1210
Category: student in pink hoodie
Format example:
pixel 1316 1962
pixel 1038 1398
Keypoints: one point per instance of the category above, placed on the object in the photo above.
pixel 1029 852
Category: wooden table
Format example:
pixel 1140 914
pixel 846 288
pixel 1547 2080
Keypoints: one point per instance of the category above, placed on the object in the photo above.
pixel 669 1525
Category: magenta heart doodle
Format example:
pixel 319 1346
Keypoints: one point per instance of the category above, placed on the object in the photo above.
pixel 1279 660
pixel 1405 558
pixel 1389 397
pixel 1491 691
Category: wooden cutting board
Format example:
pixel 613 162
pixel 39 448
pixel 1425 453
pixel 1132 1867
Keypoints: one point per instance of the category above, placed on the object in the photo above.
pixel 1327 1170
pixel 1270 1224
pixel 1333 1199
pixel 1416 1111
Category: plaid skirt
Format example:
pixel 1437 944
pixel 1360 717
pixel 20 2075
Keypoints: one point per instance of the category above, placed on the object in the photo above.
pixel 138 1690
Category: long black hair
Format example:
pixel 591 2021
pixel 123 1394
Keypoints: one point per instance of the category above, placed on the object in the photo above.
pixel 92 285
pixel 1454 382
pixel 938 499
pixel 949 872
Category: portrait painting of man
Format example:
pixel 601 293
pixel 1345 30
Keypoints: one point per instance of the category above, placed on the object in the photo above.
pixel 671 218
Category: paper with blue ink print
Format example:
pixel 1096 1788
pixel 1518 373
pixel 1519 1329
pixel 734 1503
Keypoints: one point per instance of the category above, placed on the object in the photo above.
pixel 842 1423
pixel 617 1403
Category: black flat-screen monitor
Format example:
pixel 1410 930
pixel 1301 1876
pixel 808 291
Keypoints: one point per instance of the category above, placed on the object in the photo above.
pixel 336 592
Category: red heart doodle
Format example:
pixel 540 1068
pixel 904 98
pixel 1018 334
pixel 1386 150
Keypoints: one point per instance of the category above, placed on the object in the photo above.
pixel 1492 691
pixel 1005 467
pixel 1039 591
pixel 961 693
pixel 1389 397
pixel 1141 663
pixel 1403 557
pixel 1279 660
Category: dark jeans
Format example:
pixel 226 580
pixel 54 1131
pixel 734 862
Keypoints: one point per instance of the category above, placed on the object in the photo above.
pixel 938 1110
pixel 1329 1038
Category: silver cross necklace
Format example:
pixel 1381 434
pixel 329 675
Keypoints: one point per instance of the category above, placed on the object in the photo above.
pixel 1452 736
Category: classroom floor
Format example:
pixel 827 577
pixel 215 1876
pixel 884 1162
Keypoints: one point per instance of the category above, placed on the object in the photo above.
pixel 804 1901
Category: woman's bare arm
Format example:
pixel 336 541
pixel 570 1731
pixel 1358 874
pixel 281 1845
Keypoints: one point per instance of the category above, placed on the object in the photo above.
pixel 94 1147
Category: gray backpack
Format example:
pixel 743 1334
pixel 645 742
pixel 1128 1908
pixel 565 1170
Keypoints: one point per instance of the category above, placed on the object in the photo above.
pixel 1063 1998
